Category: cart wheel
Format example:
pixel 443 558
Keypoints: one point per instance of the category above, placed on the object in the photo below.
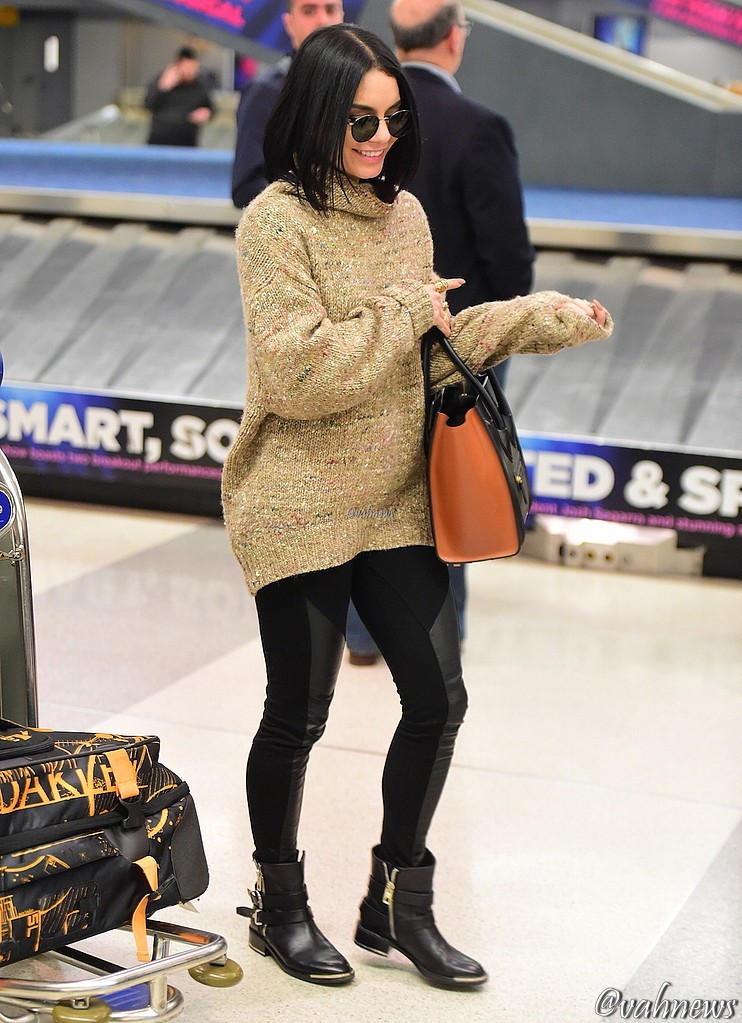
pixel 96 1012
pixel 214 975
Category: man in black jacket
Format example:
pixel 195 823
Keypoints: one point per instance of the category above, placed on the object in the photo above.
pixel 179 102
pixel 259 97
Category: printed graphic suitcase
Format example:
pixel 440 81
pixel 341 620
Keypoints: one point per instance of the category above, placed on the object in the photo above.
pixel 95 833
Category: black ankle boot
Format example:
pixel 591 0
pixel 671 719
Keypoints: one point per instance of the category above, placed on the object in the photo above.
pixel 398 911
pixel 282 926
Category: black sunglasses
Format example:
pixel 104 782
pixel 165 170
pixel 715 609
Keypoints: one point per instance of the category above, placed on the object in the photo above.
pixel 364 126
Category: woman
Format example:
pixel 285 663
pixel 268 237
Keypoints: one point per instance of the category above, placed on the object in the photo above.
pixel 325 488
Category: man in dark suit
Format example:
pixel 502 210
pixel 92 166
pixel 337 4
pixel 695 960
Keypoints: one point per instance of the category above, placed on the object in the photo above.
pixel 469 186
pixel 468 180
pixel 300 18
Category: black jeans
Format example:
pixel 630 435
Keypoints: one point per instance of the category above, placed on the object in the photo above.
pixel 404 599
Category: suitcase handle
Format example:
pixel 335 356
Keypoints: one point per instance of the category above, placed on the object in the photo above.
pixel 19 740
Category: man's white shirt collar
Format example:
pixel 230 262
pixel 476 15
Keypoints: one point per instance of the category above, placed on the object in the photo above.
pixel 436 70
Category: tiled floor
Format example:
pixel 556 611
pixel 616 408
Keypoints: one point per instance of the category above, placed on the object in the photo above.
pixel 590 836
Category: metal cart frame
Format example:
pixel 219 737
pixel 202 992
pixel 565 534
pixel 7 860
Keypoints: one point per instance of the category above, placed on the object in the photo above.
pixel 82 1001
pixel 18 693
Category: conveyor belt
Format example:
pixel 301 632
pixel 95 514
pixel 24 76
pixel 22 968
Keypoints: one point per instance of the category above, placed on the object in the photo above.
pixel 154 312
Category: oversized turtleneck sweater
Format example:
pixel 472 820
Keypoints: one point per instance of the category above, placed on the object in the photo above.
pixel 329 458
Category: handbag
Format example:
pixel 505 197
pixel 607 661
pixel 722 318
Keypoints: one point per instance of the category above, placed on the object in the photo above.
pixel 477 477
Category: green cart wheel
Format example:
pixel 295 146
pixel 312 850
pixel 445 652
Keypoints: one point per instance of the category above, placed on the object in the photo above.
pixel 215 975
pixel 96 1012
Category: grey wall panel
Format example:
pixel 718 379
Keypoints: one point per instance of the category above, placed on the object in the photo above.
pixel 728 160
pixel 581 125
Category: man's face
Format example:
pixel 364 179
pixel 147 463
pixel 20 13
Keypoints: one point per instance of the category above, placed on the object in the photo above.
pixel 307 15
pixel 188 69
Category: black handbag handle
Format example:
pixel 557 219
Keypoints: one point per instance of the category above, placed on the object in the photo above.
pixel 496 403
pixel 435 336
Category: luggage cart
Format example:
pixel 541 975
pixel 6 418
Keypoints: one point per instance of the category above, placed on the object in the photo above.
pixel 136 994
pixel 115 993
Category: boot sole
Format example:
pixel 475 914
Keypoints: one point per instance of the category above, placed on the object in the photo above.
pixel 380 946
pixel 258 944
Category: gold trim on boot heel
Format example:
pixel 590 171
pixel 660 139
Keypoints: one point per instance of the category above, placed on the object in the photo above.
pixel 371 942
pixel 257 944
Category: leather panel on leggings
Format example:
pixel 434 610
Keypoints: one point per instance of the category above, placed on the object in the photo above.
pixel 404 598
pixel 303 658
pixel 412 618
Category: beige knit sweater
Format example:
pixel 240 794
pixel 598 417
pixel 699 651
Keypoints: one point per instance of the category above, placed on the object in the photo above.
pixel 329 460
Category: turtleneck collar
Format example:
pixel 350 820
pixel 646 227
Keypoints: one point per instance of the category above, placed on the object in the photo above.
pixel 357 198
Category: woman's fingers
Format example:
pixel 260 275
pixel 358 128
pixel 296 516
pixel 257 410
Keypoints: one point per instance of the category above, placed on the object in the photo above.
pixel 601 313
pixel 579 305
pixel 441 314
pixel 593 309
pixel 444 284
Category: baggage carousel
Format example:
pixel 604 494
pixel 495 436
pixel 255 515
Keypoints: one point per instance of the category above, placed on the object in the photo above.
pixel 122 334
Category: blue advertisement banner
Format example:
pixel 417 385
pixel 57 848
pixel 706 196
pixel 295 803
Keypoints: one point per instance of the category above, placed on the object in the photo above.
pixel 259 20
pixel 111 437
pixel 688 491
pixel 133 442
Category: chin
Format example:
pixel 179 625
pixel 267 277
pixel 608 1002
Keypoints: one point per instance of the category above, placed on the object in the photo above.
pixel 367 174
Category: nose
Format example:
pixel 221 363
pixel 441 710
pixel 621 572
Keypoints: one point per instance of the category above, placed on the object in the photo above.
pixel 382 133
pixel 325 18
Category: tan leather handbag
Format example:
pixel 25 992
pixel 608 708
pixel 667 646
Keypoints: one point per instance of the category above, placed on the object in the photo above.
pixel 479 491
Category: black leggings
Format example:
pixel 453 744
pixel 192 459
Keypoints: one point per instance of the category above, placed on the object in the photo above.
pixel 404 599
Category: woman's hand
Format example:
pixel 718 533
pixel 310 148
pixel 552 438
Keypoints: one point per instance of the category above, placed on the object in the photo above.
pixel 437 290
pixel 593 310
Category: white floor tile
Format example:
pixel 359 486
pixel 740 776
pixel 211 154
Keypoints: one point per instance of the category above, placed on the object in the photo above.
pixel 69 540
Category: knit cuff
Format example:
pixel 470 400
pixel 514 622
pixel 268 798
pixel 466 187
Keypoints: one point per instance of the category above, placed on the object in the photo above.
pixel 417 302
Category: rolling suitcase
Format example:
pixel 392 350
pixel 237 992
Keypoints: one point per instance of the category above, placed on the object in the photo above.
pixel 95 833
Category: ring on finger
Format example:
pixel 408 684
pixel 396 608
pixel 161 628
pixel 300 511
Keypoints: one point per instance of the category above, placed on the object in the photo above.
pixel 445 307
pixel 441 285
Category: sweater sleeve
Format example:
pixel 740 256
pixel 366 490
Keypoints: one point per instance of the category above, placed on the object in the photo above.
pixel 308 365
pixel 484 335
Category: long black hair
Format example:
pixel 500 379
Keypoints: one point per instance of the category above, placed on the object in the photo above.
pixel 306 132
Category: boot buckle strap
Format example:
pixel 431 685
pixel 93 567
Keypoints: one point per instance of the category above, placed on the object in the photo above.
pixel 277 918
pixel 251 912
pixel 284 900
pixel 421 900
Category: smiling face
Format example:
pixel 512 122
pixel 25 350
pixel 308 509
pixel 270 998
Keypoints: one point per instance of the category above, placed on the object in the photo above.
pixel 377 93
